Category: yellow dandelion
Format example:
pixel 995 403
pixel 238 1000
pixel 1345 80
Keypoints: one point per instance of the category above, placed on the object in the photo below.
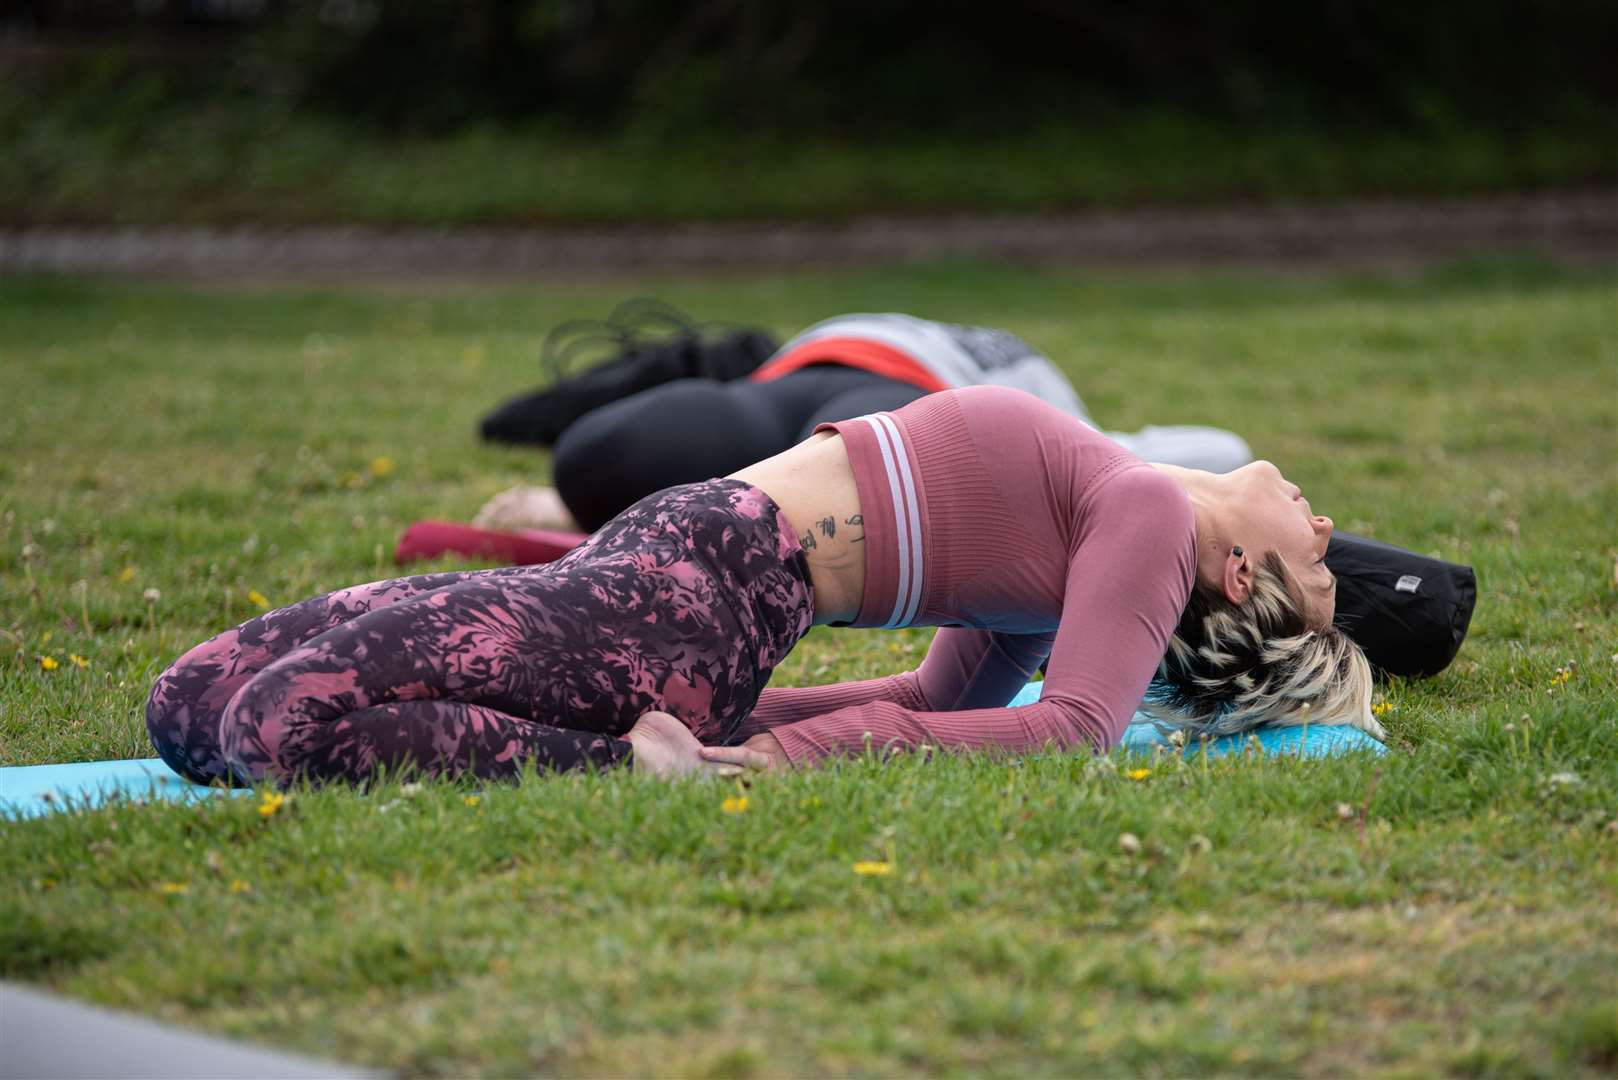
pixel 873 869
pixel 271 804
pixel 172 888
pixel 78 660
pixel 49 663
pixel 736 804
pixel 238 886
pixel 1138 774
pixel 1382 708
pixel 126 575
pixel 472 800
pixel 381 466
pixel 257 599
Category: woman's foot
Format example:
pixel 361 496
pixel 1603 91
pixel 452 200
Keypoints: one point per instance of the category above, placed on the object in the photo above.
pixel 526 507
pixel 666 747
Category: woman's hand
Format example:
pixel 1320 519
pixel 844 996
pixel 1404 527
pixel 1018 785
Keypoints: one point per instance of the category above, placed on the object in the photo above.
pixel 761 753
pixel 666 747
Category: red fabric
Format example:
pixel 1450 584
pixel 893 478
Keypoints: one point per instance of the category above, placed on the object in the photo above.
pixel 872 356
pixel 514 547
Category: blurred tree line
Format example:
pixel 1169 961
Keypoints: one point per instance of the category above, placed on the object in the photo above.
pixel 854 67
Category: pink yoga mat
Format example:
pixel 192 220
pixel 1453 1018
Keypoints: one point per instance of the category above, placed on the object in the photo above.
pixel 515 547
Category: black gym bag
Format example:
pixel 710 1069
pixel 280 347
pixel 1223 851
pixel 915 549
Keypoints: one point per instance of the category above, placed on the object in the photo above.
pixel 642 344
pixel 1407 611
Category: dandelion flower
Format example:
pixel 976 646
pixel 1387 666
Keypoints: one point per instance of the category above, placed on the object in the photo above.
pixel 1138 774
pixel 271 804
pixel 873 869
pixel 471 800
pixel 172 888
pixel 48 663
pixel 257 599
pixel 1382 708
pixel 78 660
pixel 127 574
pixel 736 804
pixel 381 466
pixel 238 886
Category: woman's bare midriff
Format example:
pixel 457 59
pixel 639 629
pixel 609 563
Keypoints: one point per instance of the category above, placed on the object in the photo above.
pixel 813 484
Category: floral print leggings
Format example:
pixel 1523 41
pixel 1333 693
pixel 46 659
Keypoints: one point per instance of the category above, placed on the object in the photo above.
pixel 684 603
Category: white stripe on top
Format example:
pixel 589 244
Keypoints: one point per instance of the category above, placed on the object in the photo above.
pixel 907 515
pixel 913 515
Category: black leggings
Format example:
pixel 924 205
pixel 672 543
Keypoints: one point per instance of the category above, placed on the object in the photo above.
pixel 693 429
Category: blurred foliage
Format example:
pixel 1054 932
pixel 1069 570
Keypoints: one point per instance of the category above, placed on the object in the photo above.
pixel 500 111
pixel 858 68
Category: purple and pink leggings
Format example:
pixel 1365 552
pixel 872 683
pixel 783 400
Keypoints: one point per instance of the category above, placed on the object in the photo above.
pixel 684 603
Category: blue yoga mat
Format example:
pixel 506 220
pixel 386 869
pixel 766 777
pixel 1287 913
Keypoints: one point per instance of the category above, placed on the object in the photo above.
pixel 1323 741
pixel 31 790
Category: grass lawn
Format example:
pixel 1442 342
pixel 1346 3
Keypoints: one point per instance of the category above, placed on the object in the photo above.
pixel 170 457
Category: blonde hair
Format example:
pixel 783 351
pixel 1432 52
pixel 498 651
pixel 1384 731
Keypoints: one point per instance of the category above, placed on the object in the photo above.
pixel 1232 667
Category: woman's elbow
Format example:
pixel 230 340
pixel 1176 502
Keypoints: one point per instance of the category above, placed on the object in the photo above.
pixel 1081 726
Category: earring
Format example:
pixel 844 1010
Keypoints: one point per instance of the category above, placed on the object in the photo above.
pixel 1236 551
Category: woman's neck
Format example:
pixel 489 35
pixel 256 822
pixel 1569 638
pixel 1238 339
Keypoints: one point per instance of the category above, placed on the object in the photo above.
pixel 1206 492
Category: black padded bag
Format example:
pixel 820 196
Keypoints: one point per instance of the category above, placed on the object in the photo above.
pixel 646 343
pixel 1407 611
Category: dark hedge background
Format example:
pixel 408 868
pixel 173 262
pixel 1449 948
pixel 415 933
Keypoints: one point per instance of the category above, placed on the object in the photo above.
pixel 860 67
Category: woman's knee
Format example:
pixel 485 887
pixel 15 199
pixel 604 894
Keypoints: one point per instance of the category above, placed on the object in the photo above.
pixel 183 711
pixel 253 731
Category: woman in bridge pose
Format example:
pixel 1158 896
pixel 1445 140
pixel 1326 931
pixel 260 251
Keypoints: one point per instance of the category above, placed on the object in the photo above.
pixel 1025 535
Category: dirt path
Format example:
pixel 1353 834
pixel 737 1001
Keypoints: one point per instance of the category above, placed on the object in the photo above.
pixel 1580 226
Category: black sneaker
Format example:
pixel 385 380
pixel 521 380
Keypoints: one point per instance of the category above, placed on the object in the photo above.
pixel 644 343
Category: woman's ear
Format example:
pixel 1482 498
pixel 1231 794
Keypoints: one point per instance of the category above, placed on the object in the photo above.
pixel 1237 580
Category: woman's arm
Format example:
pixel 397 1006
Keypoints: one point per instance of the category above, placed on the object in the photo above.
pixel 963 669
pixel 778 706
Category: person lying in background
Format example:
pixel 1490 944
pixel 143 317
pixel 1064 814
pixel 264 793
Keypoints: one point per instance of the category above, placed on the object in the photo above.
pixel 609 453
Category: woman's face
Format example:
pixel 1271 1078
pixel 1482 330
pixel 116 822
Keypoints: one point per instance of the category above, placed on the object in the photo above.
pixel 1271 514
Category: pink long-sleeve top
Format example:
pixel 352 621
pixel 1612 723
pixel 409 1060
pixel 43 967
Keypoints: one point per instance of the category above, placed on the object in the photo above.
pixel 1026 536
